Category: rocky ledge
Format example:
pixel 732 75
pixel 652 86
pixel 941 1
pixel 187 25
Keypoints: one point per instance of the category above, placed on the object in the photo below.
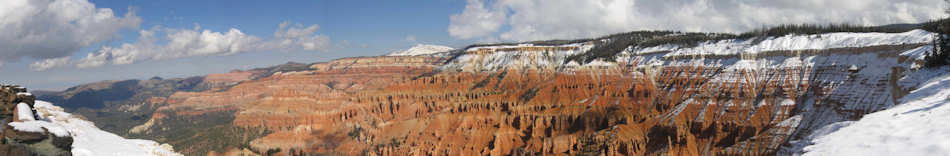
pixel 16 106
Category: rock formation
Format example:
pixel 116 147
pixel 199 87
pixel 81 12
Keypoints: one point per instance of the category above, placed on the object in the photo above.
pixel 731 97
pixel 16 105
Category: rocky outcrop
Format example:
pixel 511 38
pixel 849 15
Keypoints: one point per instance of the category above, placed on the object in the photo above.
pixel 16 105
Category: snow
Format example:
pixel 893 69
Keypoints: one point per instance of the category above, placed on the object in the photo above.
pixel 520 58
pixel 40 126
pixel 793 42
pixel 919 53
pixel 657 55
pixel 917 126
pixel 24 93
pixel 87 139
pixel 24 113
pixel 422 49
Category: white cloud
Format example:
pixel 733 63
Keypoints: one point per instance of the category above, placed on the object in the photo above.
pixel 185 43
pixel 549 19
pixel 192 42
pixel 411 38
pixel 289 37
pixel 47 29
pixel 49 63
pixel 314 43
pixel 52 30
pixel 476 21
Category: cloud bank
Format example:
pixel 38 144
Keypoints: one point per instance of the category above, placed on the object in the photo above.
pixel 520 20
pixel 52 29
pixel 195 42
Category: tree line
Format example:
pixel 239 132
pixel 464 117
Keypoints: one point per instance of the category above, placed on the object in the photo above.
pixel 940 55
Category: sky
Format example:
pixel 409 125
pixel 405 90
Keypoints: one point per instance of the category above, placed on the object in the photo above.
pixel 56 44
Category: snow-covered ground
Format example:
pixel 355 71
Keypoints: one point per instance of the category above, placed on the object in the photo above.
pixel 793 42
pixel 919 125
pixel 422 49
pixel 87 139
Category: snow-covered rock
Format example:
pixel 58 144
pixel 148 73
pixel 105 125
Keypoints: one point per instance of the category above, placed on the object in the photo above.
pixel 421 49
pixel 917 126
pixel 88 140
pixel 522 56
pixel 793 42
pixel 24 113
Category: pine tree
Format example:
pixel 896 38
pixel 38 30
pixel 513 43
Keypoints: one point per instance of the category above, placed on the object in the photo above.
pixel 940 55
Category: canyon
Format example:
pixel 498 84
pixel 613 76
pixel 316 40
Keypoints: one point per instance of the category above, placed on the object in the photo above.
pixel 740 96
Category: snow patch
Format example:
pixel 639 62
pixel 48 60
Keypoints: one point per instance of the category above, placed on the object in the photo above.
pixel 422 49
pixel 24 113
pixel 511 57
pixel 792 42
pixel 918 53
pixel 40 127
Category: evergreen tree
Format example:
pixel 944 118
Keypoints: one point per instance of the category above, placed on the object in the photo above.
pixel 940 55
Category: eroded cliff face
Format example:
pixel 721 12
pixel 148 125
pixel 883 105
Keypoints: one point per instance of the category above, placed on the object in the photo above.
pixel 726 97
pixel 292 106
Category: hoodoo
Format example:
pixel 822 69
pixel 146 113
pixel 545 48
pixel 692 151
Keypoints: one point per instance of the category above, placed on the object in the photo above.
pixel 762 95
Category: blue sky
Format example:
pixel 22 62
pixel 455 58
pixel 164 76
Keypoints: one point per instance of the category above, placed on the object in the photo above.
pixel 370 28
pixel 360 21
pixel 56 44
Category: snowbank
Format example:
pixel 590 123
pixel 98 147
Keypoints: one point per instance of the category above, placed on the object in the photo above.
pixel 87 139
pixel 917 126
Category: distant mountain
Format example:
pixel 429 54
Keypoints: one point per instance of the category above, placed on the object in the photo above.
pixel 421 49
